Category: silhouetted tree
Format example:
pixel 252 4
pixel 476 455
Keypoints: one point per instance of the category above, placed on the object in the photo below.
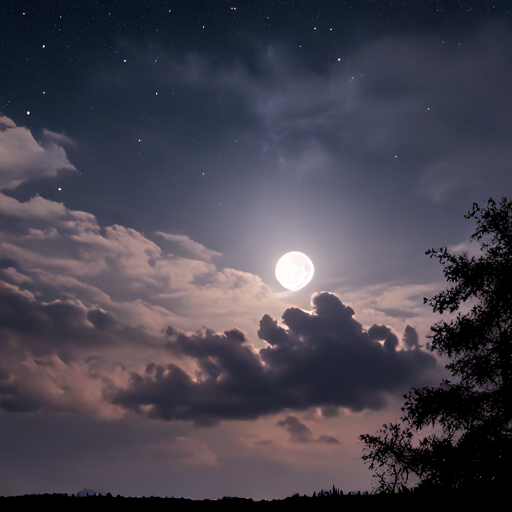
pixel 387 454
pixel 475 410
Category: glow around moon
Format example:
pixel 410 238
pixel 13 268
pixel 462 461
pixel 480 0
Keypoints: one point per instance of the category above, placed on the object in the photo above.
pixel 294 270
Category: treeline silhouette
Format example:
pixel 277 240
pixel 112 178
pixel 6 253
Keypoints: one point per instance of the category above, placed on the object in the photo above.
pixel 323 495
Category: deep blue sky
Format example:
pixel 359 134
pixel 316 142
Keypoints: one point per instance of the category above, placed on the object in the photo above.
pixel 156 160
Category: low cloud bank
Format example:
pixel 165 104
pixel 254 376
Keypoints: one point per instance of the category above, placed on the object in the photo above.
pixel 57 357
pixel 318 358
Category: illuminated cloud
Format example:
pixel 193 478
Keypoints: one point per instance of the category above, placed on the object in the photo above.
pixel 22 158
pixel 187 247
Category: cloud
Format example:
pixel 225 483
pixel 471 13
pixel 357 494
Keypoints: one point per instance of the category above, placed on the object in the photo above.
pixel 391 304
pixel 102 320
pixel 22 158
pixel 58 356
pixel 390 96
pixel 58 138
pixel 40 209
pixel 321 358
pixel 327 440
pixel 59 253
pixel 470 248
pixel 401 314
pixel 187 248
pixel 381 332
pixel 378 332
pixel 299 433
pixel 442 177
pixel 410 337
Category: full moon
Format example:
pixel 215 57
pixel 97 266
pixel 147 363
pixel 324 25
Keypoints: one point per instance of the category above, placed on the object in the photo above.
pixel 294 270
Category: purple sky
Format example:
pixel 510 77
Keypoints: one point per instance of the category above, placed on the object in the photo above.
pixel 156 161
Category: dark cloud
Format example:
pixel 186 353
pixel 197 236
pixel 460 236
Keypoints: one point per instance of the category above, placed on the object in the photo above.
pixel 13 398
pixel 410 337
pixel 299 433
pixel 318 358
pixel 101 320
pixel 391 342
pixel 330 412
pixel 41 329
pixel 378 332
pixel 383 333
pixel 327 440
pixel 401 314
pixel 38 328
pixel 235 335
pixel 19 404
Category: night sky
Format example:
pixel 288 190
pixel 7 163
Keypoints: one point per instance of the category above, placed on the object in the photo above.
pixel 158 158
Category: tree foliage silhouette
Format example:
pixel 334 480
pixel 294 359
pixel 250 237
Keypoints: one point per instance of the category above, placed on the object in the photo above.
pixel 474 410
